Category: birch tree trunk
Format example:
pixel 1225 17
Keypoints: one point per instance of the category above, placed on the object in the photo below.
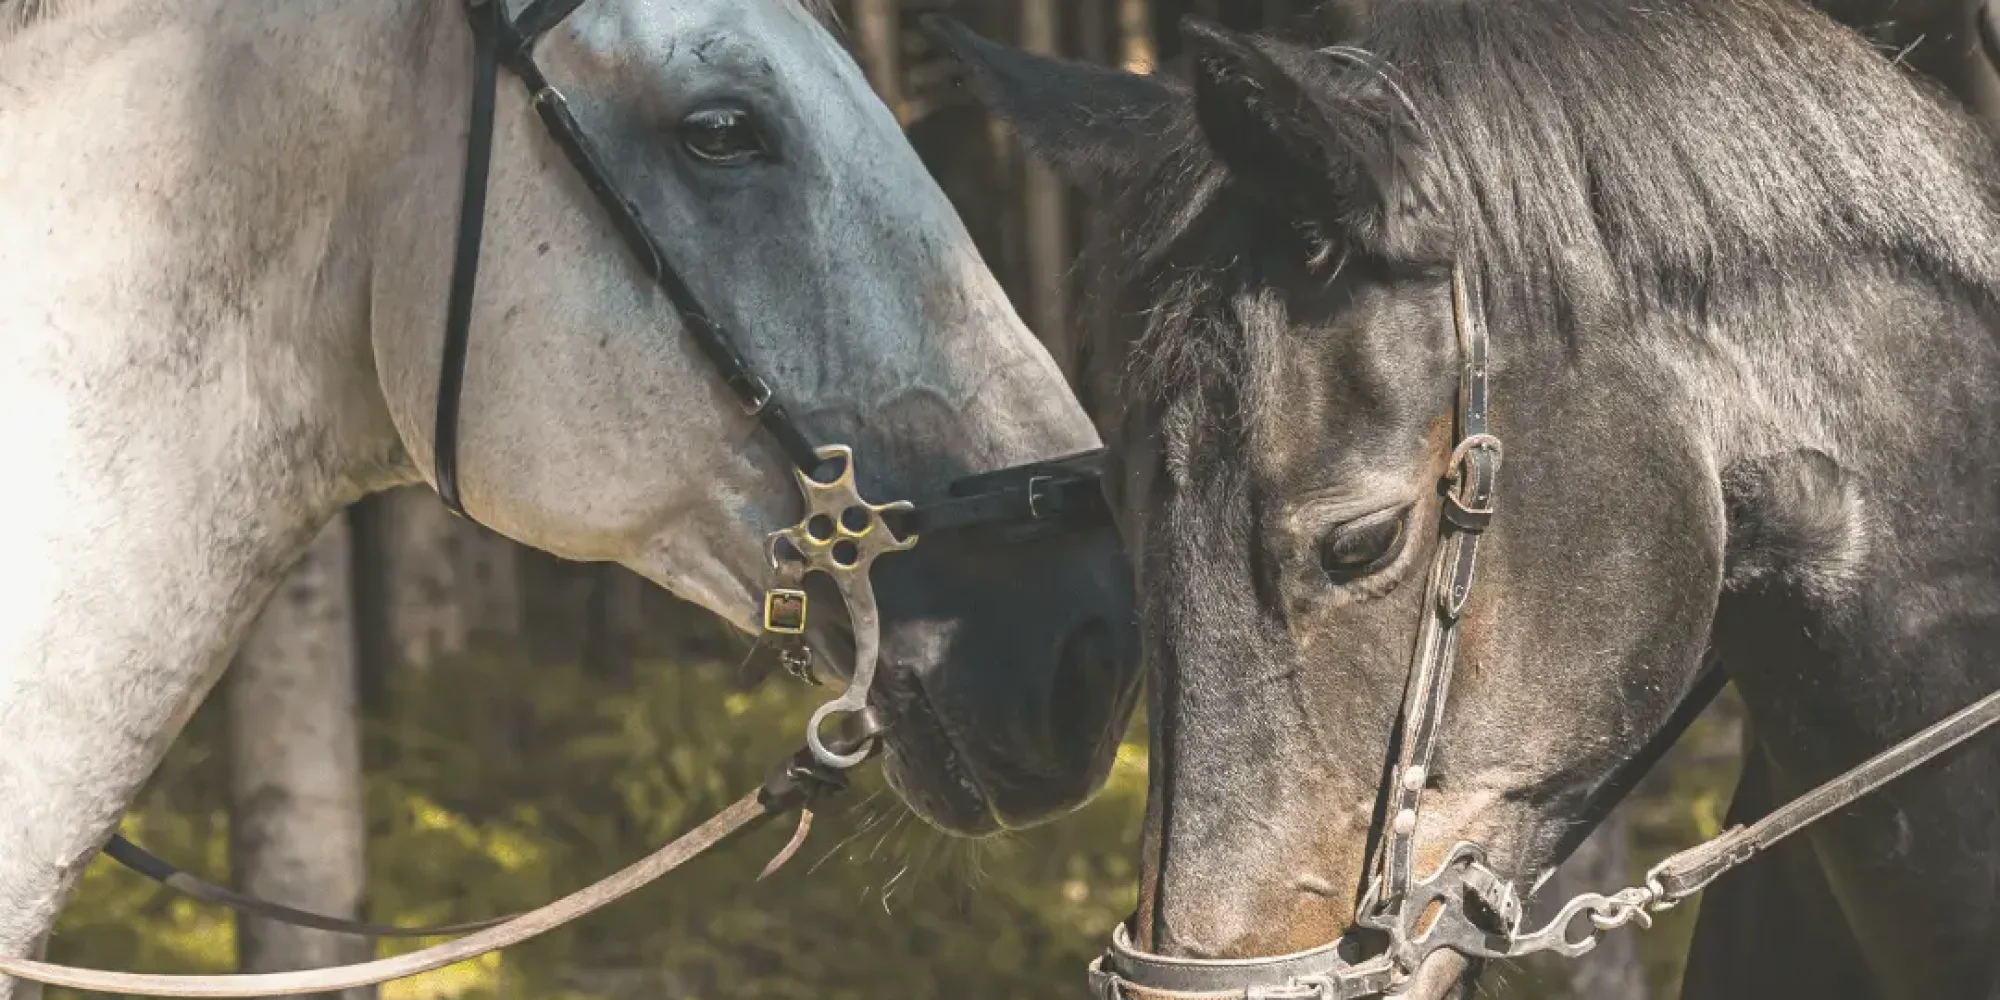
pixel 298 829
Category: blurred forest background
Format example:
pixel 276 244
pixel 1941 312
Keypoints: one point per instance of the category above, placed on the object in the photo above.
pixel 431 723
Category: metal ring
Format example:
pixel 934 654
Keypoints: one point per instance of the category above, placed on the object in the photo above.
pixel 820 751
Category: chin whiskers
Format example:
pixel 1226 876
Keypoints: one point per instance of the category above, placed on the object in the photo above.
pixel 889 887
pixel 901 824
pixel 874 811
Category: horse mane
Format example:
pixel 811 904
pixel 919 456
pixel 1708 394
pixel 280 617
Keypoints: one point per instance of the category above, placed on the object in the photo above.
pixel 1702 156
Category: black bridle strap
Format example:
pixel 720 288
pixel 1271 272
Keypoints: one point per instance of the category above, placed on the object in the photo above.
pixel 498 41
pixel 1605 797
pixel 465 260
pixel 1465 511
pixel 745 814
pixel 757 397
pixel 538 17
pixel 152 866
pixel 1038 498
pixel 1066 492
pixel 797 783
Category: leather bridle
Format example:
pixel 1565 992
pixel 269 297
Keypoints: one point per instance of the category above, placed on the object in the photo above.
pixel 1463 905
pixel 840 536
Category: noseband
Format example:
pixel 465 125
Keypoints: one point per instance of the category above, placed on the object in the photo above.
pixel 1463 905
pixel 841 534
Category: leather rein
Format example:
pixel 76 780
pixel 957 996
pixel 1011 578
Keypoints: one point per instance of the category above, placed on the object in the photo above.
pixel 840 536
pixel 1463 905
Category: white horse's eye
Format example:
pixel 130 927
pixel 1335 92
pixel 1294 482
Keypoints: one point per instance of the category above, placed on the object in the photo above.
pixel 726 136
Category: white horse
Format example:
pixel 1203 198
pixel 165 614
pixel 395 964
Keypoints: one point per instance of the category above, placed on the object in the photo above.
pixel 226 229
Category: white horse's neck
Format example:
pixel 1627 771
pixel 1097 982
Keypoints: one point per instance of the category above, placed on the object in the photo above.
pixel 175 434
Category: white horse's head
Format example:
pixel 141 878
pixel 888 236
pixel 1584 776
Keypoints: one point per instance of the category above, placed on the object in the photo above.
pixel 785 194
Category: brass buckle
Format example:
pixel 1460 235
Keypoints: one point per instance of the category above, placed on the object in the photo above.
pixel 785 611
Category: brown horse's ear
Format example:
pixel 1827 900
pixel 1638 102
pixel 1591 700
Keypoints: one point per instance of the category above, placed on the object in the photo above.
pixel 1096 127
pixel 1307 141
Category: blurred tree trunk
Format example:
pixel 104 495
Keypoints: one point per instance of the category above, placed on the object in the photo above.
pixel 1093 32
pixel 298 829
pixel 436 581
pixel 1135 30
pixel 1043 197
pixel 879 36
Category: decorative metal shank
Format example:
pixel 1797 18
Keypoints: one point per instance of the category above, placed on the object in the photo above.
pixel 841 536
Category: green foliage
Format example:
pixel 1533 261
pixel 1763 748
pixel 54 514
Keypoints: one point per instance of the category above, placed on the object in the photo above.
pixel 121 921
pixel 494 787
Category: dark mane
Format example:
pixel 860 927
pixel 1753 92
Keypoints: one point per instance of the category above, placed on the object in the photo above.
pixel 1690 155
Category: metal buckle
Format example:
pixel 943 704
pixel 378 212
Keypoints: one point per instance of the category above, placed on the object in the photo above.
pixel 1459 479
pixel 785 611
pixel 753 392
pixel 1037 490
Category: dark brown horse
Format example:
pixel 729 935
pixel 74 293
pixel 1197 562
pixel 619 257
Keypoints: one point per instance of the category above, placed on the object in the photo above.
pixel 1741 277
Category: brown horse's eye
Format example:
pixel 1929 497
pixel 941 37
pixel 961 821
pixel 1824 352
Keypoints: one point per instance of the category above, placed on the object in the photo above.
pixel 1363 546
pixel 724 136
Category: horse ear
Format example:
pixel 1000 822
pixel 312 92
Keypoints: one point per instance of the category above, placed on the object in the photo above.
pixel 1096 127
pixel 1311 149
